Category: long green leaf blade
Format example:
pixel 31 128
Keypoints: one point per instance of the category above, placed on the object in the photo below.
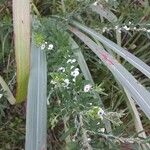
pixel 137 91
pixel 36 104
pixel 136 62
pixel 104 12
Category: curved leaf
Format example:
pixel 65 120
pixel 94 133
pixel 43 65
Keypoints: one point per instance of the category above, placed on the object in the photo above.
pixel 136 62
pixel 137 91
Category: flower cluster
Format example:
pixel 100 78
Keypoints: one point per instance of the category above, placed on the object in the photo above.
pixel 68 71
pixel 128 27
pixel 46 45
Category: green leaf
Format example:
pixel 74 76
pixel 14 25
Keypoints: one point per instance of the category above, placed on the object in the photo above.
pixel 6 89
pixel 36 123
pixel 136 62
pixel 104 12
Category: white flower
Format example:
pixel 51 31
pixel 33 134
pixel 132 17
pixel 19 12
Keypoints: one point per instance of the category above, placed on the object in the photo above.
pixel 74 79
pixel 126 28
pixel 53 82
pixel 87 87
pixel 61 69
pixel 89 139
pixel 104 29
pixel 98 123
pixel 95 3
pixel 1 95
pixel 71 67
pixel 71 61
pixel 50 46
pixel 68 61
pixel 148 30
pixel 116 27
pixel 101 113
pixel 45 42
pixel 102 130
pixel 73 140
pixel 77 69
pixel 130 23
pixel 119 30
pixel 42 46
pixel 75 73
pixel 67 82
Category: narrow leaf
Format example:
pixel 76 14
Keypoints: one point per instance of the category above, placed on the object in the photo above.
pixel 36 104
pixel 104 12
pixel 21 22
pixel 136 62
pixel 137 91
pixel 6 89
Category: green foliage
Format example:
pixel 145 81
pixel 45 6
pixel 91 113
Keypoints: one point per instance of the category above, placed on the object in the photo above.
pixel 73 116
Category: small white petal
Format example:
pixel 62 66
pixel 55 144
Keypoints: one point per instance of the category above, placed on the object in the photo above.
pixel 116 27
pixel 75 73
pixel 73 60
pixel 53 82
pixel 95 3
pixel 67 82
pixel 61 69
pixel 130 23
pixel 50 46
pixel 73 140
pixel 74 79
pixel 68 61
pixel 42 46
pixel 101 113
pixel 71 67
pixel 148 30
pixel 87 88
pixel 126 28
pixel 76 69
pixel 1 95
pixel 98 123
pixel 102 130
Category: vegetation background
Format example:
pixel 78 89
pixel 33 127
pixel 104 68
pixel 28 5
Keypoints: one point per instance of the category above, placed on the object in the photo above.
pixel 73 121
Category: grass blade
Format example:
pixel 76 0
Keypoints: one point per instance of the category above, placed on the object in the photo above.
pixel 21 23
pixel 137 91
pixel 136 62
pixel 6 89
pixel 36 103
pixel 104 12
